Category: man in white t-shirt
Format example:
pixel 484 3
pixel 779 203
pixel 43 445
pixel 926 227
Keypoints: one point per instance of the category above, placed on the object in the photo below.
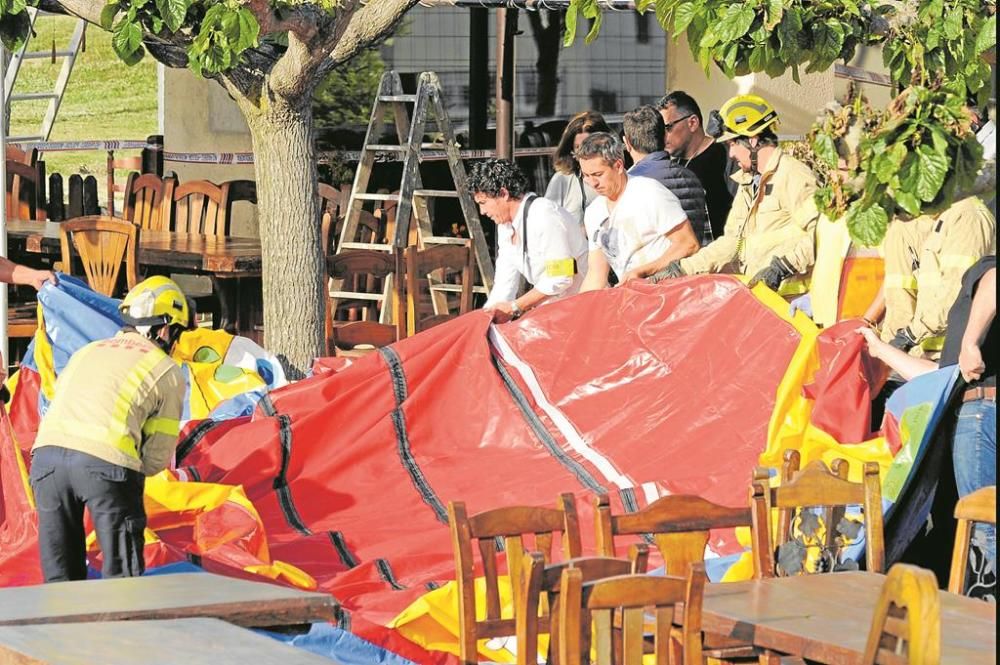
pixel 537 240
pixel 636 226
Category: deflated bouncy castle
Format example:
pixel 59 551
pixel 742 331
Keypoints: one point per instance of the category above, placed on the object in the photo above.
pixel 340 482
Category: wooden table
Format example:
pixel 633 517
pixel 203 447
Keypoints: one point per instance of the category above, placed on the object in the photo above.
pixel 182 595
pixel 233 263
pixel 187 641
pixel 827 618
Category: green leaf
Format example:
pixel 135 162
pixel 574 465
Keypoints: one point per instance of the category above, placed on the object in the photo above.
pixel 826 149
pixel 953 24
pixel 758 58
pixel 17 6
pixel 773 11
pixel 14 30
pixel 908 202
pixel 570 24
pixel 683 15
pixel 172 12
pixel 788 34
pixel 595 27
pixel 249 30
pixel 932 169
pixel 933 39
pixel 987 37
pixel 126 39
pixel 108 14
pixel 735 23
pixel 866 225
pixel 828 39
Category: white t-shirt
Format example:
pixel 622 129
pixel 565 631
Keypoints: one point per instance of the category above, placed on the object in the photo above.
pixel 635 233
pixel 544 256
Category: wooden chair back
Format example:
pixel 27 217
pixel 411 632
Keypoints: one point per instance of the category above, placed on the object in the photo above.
pixel 132 164
pixel 540 593
pixel 906 626
pixel 978 507
pixel 147 200
pixel 103 245
pixel 635 597
pixel 333 207
pixel 199 206
pixel 238 191
pixel 509 525
pixel 438 263
pixel 818 491
pixel 362 267
pixel 26 190
pixel 29 157
pixel 679 526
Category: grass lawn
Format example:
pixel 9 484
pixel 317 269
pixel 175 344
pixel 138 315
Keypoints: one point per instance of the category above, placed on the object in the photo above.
pixel 105 99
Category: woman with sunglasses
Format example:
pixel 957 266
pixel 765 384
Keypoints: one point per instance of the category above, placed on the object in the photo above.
pixel 567 188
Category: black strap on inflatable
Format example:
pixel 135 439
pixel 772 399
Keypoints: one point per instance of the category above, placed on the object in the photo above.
pixel 343 551
pixel 187 444
pixel 280 484
pixel 402 441
pixel 385 572
pixel 267 406
pixel 570 464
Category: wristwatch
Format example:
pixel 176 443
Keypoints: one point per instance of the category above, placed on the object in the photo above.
pixel 515 311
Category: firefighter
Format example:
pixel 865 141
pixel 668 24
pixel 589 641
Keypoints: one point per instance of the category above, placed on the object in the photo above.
pixel 770 231
pixel 113 420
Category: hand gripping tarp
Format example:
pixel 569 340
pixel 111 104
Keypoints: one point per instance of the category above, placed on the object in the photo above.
pixel 639 391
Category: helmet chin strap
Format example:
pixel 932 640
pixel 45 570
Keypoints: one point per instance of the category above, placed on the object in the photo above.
pixel 754 149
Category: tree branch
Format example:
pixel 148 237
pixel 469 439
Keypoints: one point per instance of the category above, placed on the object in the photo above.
pixel 368 26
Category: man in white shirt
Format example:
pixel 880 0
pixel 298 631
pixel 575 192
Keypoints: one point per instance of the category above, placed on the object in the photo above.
pixel 536 240
pixel 636 226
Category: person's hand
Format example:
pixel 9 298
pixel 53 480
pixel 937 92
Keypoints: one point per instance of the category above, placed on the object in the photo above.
pixel 970 362
pixel 38 278
pixel 502 312
pixel 801 304
pixel 672 270
pixel 774 274
pixel 635 273
pixel 873 341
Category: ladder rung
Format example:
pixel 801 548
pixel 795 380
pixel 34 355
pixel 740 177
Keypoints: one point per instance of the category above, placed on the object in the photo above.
pixel 24 139
pixel 398 98
pixel 436 193
pixel 355 295
pixel 382 247
pixel 29 96
pixel 38 55
pixel 456 288
pixel 374 196
pixel 444 240
pixel 378 147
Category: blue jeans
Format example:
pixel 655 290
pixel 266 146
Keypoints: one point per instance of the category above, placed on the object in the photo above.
pixel 974 454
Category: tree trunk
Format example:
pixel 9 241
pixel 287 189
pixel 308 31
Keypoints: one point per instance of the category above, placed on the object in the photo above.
pixel 289 215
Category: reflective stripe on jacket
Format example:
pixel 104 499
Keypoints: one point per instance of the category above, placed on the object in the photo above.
pixel 779 222
pixel 118 399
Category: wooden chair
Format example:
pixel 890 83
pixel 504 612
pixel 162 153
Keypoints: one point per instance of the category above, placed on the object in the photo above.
pixel 512 524
pixel 816 487
pixel 103 244
pixel 438 261
pixel 906 626
pixel 633 596
pixel 26 190
pixel 147 200
pixel 333 207
pixel 132 164
pixel 199 206
pixel 540 592
pixel 236 191
pixel 980 506
pixel 363 266
pixel 680 527
pixel 29 157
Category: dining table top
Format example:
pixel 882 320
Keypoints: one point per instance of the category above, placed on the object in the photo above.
pixel 827 617
pixel 224 256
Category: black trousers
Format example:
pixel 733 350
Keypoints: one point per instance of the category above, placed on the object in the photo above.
pixel 65 481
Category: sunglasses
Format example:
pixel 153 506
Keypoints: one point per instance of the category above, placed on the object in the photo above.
pixel 670 125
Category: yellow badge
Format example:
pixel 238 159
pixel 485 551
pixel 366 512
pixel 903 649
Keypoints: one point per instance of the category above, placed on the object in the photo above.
pixel 560 268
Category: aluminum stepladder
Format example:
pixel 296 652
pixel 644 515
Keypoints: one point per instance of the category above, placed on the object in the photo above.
pixel 411 115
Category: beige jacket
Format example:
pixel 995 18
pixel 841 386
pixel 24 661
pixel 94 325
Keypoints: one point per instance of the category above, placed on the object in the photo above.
pixel 118 399
pixel 780 221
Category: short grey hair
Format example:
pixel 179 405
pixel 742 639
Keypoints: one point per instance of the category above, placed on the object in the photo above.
pixel 601 144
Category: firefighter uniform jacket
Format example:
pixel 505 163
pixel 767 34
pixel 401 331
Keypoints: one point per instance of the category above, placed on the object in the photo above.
pixel 120 400
pixel 777 218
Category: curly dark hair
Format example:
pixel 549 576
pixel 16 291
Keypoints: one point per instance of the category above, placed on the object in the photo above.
pixel 491 175
pixel 589 122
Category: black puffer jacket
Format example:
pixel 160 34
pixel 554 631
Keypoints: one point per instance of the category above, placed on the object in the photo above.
pixel 683 183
